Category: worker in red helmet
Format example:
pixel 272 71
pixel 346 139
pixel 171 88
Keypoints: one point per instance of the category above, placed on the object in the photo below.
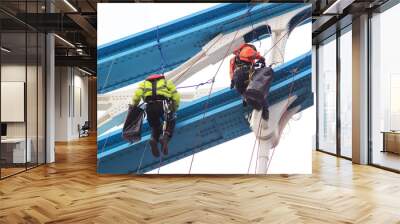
pixel 162 101
pixel 242 66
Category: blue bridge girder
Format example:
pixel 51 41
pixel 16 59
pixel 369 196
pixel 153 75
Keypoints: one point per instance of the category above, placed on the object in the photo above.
pixel 198 128
pixel 129 60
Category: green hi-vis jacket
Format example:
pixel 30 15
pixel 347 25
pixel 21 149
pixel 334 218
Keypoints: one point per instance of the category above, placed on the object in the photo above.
pixel 164 88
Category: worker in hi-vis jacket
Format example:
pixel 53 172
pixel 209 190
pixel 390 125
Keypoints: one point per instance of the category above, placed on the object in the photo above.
pixel 162 101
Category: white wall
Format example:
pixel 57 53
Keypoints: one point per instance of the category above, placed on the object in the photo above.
pixel 70 83
pixel 79 117
pixel 61 103
pixel 33 127
pixel 14 73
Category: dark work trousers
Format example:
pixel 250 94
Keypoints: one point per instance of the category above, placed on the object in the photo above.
pixel 155 116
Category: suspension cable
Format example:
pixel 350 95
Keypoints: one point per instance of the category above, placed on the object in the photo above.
pixel 161 53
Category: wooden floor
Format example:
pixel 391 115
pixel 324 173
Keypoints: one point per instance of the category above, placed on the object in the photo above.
pixel 70 191
pixel 10 171
pixel 387 159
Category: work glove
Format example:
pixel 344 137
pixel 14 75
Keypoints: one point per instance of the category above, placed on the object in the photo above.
pixel 261 61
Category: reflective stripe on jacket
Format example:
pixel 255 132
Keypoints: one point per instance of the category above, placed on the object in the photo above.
pixel 165 88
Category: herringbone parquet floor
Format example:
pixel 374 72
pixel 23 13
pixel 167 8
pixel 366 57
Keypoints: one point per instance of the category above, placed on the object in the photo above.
pixel 70 191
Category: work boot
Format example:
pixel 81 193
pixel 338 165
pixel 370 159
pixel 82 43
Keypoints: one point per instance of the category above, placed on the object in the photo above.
pixel 154 147
pixel 155 135
pixel 265 113
pixel 164 144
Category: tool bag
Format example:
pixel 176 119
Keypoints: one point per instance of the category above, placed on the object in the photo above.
pixel 133 124
pixel 257 91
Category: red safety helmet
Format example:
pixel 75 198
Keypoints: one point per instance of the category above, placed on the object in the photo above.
pixel 246 52
pixel 155 76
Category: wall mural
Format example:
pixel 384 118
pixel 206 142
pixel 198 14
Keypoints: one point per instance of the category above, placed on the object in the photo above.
pixel 205 89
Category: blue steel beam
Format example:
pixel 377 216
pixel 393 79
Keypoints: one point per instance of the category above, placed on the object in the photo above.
pixel 223 121
pixel 192 136
pixel 282 73
pixel 129 60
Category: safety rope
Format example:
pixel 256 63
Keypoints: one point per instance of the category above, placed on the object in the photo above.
pixel 252 28
pixel 213 81
pixel 159 166
pixel 250 115
pixel 258 151
pixel 211 88
pixel 286 107
pixel 252 25
pixel 197 85
pixel 291 88
pixel 290 92
pixel 108 74
pixel 161 53
pixel 203 54
pixel 260 131
pixel 162 71
pixel 104 85
pixel 247 14
pixel 141 159
pixel 254 146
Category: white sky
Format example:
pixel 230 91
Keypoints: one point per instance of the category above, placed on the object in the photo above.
pixel 118 20
pixel 293 154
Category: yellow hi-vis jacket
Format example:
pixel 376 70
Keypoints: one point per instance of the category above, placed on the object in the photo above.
pixel 164 88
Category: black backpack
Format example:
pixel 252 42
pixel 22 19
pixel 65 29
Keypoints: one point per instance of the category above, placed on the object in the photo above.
pixel 258 89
